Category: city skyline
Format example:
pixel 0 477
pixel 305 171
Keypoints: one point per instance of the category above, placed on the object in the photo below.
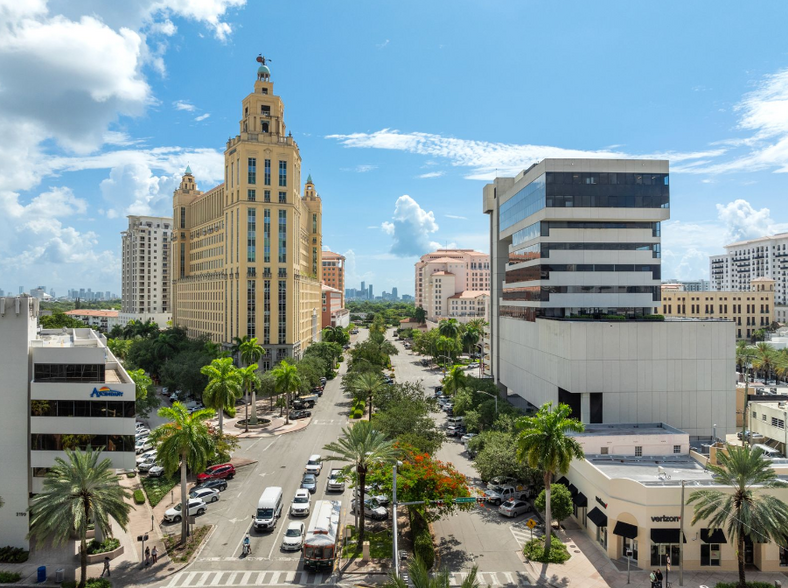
pixel 110 132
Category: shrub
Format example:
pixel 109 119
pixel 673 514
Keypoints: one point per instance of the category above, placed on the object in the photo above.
pixel 534 550
pixel 9 577
pixel 109 544
pixel 69 584
pixel 10 554
pixel 139 497
pixel 98 583
pixel 157 488
pixel 131 474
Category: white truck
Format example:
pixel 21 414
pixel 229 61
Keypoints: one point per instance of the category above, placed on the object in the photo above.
pixel 497 494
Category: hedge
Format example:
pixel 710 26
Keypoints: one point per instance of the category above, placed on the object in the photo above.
pixel 139 497
pixel 10 554
pixel 534 550
pixel 9 577
pixel 109 544
pixel 90 583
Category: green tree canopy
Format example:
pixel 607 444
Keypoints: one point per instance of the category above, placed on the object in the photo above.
pixel 560 502
pixel 224 386
pixel 58 320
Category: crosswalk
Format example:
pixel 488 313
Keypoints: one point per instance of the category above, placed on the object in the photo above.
pixel 522 534
pixel 220 579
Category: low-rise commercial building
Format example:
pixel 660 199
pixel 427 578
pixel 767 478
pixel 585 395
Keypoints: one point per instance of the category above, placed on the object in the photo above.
pixel 469 305
pixel 627 496
pixel 749 311
pixel 101 320
pixel 446 272
pixel 768 419
pixel 62 389
pixel 334 314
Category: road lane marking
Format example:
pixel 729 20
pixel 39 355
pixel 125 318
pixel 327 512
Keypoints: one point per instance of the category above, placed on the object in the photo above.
pixel 275 578
pixel 267 447
pixel 509 578
pixel 245 578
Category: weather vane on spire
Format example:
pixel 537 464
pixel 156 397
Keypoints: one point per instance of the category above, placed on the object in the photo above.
pixel 263 73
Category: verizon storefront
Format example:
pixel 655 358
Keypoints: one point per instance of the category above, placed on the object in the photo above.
pixel 627 495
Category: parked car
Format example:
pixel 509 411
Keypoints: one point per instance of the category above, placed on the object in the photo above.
pixel 173 397
pixel 455 430
pixel 156 471
pixel 309 482
pixel 144 456
pixel 354 332
pixel 314 465
pixel 146 465
pixel 299 414
pixel 336 481
pixel 323 381
pixel 302 404
pixel 372 509
pixel 438 389
pixel 755 437
pixel 143 445
pixel 467 437
pixel 500 494
pixel 196 507
pixel 294 537
pixel 220 485
pixel 140 426
pixel 514 508
pixel 224 471
pixel 206 494
pixel 318 390
pixel 165 391
pixel 301 503
pixel 374 493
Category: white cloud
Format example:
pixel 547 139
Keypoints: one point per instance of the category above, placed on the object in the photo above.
pixel 436 174
pixel 383 44
pixel 202 117
pixel 410 228
pixel 134 189
pixel 183 105
pixel 456 216
pixel 165 28
pixel 360 169
pixel 742 221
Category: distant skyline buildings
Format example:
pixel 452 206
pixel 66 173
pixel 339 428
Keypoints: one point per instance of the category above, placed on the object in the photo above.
pixel 367 292
pixel 44 293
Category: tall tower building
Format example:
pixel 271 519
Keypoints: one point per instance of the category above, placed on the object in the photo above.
pixel 247 254
pixel 334 270
pixel 145 279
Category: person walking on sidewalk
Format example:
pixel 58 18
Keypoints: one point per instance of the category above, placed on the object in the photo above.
pixel 659 578
pixel 147 556
pixel 653 577
pixel 106 567
pixel 155 554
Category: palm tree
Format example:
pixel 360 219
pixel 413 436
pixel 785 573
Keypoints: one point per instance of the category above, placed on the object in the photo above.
pixel 249 380
pixel 420 315
pixel 765 359
pixel 361 446
pixel 183 442
pixel 470 338
pixel 235 348
pixel 287 382
pixel 367 384
pixel 224 386
pixel 543 444
pixel 455 380
pixel 420 577
pixel 447 345
pixel 449 328
pixel 743 512
pixel 78 491
pixel 335 335
pixel 251 353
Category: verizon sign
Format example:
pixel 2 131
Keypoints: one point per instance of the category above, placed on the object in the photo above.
pixel 665 519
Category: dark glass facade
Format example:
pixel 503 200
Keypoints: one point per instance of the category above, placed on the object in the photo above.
pixel 542 271
pixel 69 372
pixel 542 293
pixel 543 249
pixel 59 442
pixel 83 408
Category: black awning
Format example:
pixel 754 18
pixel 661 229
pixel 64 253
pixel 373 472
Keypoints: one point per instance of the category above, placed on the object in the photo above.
pixel 563 480
pixel 666 535
pixel 713 536
pixel 572 489
pixel 625 530
pixel 598 517
pixel 580 499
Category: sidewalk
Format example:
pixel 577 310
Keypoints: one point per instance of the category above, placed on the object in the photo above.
pixel 276 427
pixel 589 567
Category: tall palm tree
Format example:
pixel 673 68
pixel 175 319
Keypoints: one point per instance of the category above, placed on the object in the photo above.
pixel 420 577
pixel 543 444
pixel 743 512
pixel 235 348
pixel 183 442
pixel 287 382
pixel 224 386
pixel 455 380
pixel 765 359
pixel 78 490
pixel 367 384
pixel 336 335
pixel 447 345
pixel 470 337
pixel 361 446
pixel 449 328
pixel 251 353
pixel 250 380
pixel 420 315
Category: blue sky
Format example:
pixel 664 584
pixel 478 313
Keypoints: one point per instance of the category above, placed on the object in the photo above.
pixel 401 110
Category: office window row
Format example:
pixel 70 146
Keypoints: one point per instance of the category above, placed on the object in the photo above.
pixel 83 408
pixel 61 442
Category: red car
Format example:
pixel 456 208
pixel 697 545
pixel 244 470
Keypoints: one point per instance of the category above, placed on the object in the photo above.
pixel 224 471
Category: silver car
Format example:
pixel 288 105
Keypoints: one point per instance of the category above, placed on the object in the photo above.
pixel 514 508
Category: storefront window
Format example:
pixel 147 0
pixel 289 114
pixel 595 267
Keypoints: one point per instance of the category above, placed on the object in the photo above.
pixel 660 551
pixel 710 554
pixel 601 536
pixel 633 545
pixel 783 557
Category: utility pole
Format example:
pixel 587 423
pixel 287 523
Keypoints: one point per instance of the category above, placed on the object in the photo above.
pixel 681 537
pixel 395 554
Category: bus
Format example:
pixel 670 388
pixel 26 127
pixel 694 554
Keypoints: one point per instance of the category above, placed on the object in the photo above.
pixel 322 536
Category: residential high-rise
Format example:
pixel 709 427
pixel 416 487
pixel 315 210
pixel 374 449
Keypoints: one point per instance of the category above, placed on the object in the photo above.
pixel 247 253
pixel 448 272
pixel 575 285
pixel 371 293
pixel 743 261
pixel 334 270
pixel 145 280
pixel 363 293
pixel 394 294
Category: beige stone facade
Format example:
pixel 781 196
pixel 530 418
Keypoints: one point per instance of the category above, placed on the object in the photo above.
pixel 749 311
pixel 334 272
pixel 446 272
pixel 247 253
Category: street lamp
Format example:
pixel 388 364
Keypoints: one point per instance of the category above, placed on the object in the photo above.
pixel 444 365
pixel 395 554
pixel 491 396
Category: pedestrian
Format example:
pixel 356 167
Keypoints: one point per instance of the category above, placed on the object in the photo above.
pixel 659 578
pixel 147 556
pixel 653 577
pixel 106 567
pixel 155 554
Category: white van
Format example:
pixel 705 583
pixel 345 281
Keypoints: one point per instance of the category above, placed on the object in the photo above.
pixel 269 508
pixel 769 452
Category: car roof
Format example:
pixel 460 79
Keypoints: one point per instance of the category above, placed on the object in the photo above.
pixel 302 492
pixel 217 466
pixel 314 457
pixel 296 525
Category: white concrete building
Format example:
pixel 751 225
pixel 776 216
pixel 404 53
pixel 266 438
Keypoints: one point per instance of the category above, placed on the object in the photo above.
pixel 446 272
pixel 744 261
pixel 146 270
pixel 469 305
pixel 627 495
pixel 768 419
pixel 62 388
pixel 102 320
pixel 575 282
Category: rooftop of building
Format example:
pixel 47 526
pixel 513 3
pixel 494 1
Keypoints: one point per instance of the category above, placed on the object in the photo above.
pixel 657 470
pixel 330 289
pixel 598 429
pixel 68 338
pixel 471 294
pixel 442 273
pixel 331 255
pixel 90 312
pixel 758 240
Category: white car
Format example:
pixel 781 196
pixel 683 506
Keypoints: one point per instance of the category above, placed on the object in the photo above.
pixel 173 397
pixel 206 494
pixel 196 507
pixel 145 456
pixel 294 537
pixel 336 481
pixel 467 437
pixel 140 426
pixel 301 503
pixel 147 464
pixel 156 472
pixel 143 445
pixel 141 434
pixel 314 465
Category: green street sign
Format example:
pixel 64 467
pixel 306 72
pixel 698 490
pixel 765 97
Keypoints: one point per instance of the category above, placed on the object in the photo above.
pixel 461 500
